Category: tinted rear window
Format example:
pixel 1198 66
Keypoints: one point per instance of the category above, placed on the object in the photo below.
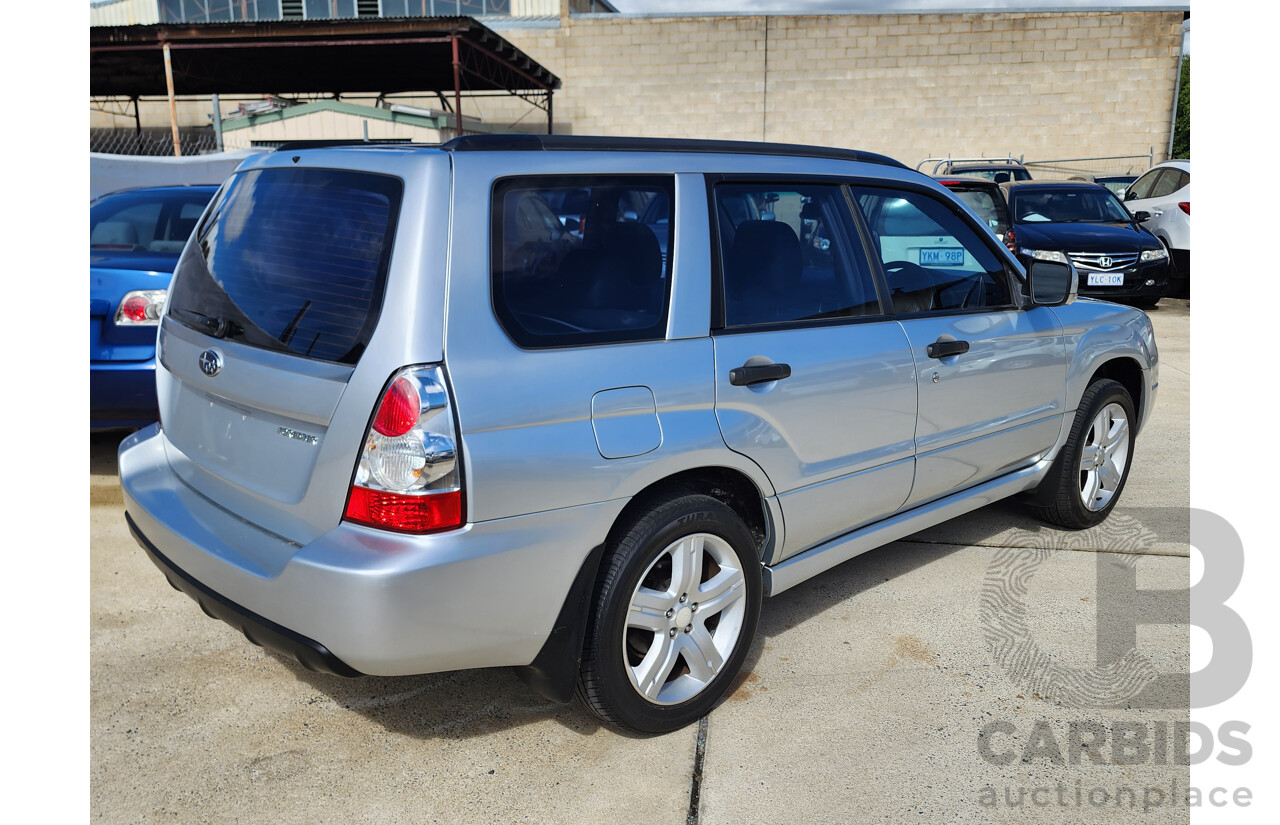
pixel 598 276
pixel 293 260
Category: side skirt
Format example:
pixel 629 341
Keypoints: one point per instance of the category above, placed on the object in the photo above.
pixel 810 563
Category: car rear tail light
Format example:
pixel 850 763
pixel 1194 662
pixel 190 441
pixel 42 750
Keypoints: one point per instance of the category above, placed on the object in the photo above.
pixel 1185 206
pixel 399 410
pixel 408 478
pixel 141 308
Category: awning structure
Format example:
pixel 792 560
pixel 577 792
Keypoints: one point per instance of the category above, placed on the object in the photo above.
pixel 383 56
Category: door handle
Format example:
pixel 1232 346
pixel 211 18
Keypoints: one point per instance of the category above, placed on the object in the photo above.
pixel 745 376
pixel 941 349
pixel 1157 212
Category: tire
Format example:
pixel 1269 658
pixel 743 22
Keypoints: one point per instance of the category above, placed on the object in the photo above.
pixel 1086 480
pixel 1147 302
pixel 638 670
pixel 1180 276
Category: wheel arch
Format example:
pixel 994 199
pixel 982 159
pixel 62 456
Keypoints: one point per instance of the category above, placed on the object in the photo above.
pixel 1109 341
pixel 731 486
pixel 553 672
pixel 1128 372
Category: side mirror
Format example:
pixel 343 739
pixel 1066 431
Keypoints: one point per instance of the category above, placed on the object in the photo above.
pixel 1051 284
pixel 572 225
pixel 1141 216
pixel 1129 196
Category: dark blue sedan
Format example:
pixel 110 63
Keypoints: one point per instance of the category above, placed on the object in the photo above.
pixel 135 238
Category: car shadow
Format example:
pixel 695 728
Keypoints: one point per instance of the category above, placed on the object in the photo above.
pixel 457 705
pixel 1128 530
pixel 103 449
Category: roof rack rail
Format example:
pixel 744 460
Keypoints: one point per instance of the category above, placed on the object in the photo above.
pixel 587 143
pixel 293 145
pixel 950 161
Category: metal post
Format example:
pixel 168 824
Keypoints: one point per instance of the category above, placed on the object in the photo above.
pixel 137 118
pixel 173 104
pixel 550 119
pixel 457 89
pixel 217 123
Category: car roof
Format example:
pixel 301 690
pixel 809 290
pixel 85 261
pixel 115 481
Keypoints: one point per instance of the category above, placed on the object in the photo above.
pixel 592 143
pixel 1051 184
pixel 210 188
pixel 1178 163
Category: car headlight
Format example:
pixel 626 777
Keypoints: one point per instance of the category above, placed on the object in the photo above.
pixel 1154 255
pixel 1046 255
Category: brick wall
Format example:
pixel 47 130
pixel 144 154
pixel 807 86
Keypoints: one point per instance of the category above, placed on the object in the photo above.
pixel 910 86
pixel 1046 85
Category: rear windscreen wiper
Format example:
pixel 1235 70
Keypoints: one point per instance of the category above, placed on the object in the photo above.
pixel 217 327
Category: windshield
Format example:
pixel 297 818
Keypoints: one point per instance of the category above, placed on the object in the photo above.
pixel 1093 204
pixel 158 221
pixel 999 175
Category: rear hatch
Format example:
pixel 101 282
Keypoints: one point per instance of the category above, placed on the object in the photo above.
pixel 273 304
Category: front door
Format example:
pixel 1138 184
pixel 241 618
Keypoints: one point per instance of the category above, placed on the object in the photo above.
pixel 992 376
pixel 814 379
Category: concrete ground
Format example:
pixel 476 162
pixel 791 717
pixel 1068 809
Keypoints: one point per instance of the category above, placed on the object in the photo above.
pixel 941 678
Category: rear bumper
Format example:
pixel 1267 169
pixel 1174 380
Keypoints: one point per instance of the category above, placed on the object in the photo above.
pixel 122 393
pixel 309 653
pixel 359 600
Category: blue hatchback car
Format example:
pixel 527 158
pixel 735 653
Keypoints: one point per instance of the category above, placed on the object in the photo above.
pixel 135 238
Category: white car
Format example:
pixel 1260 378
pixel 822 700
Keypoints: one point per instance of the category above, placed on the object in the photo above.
pixel 1164 192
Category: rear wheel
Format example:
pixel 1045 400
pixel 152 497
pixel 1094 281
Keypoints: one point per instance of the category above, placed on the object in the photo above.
pixel 1090 472
pixel 674 617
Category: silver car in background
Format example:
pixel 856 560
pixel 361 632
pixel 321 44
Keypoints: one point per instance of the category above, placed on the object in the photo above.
pixel 411 422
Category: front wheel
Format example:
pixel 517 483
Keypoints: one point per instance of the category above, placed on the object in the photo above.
pixel 1089 474
pixel 674 617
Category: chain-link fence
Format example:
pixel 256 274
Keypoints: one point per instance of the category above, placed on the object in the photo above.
pixel 193 141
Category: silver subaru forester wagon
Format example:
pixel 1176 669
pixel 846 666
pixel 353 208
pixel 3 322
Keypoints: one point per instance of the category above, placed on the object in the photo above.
pixel 575 405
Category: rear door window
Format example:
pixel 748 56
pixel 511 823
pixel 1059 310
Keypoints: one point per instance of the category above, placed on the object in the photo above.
pixel 293 260
pixel 574 261
pixel 790 255
pixel 1170 181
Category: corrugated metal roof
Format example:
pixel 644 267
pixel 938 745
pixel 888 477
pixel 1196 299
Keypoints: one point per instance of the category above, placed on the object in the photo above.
pixel 326 56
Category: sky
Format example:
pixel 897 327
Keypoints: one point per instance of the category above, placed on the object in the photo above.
pixel 801 6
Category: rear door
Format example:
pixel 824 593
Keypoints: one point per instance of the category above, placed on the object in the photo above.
pixel 272 307
pixel 991 376
pixel 814 380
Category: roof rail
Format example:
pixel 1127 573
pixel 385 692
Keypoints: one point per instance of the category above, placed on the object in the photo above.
pixel 586 143
pixel 292 145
